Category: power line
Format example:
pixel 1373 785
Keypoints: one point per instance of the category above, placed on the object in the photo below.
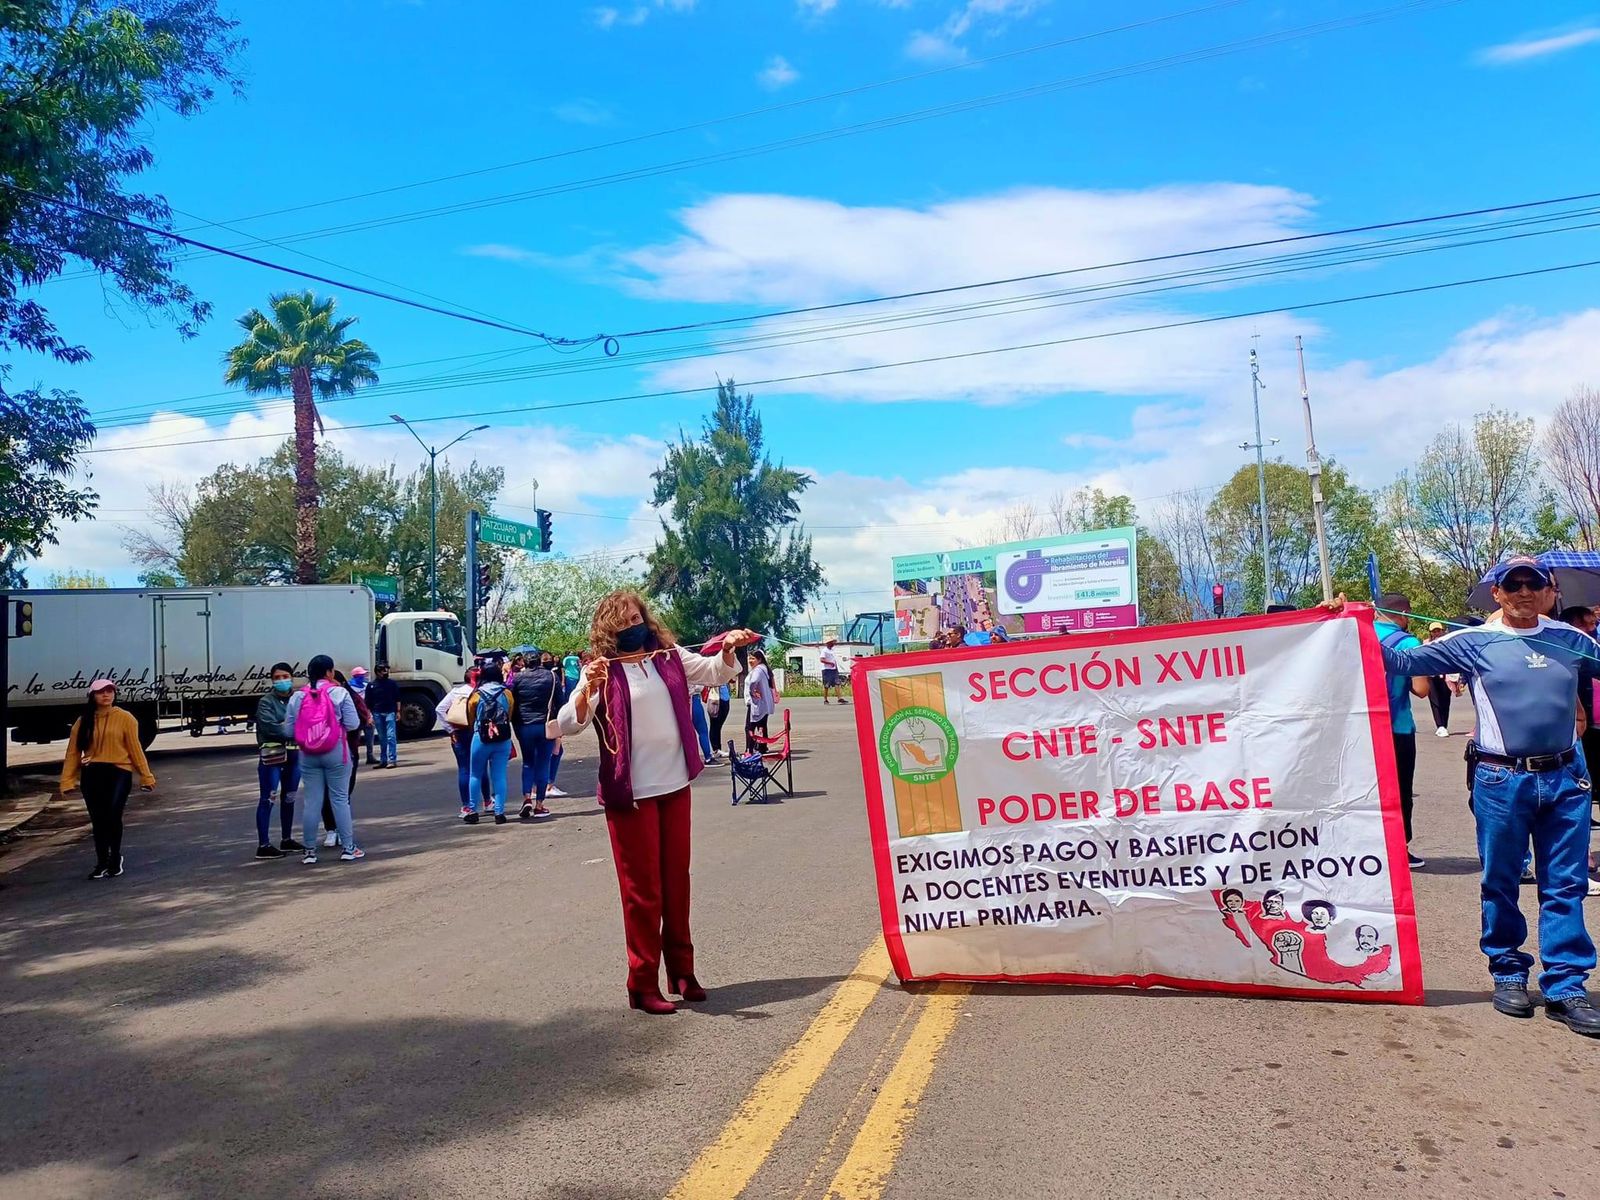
pixel 139 411
pixel 767 110
pixel 1206 277
pixel 1130 262
pixel 257 239
pixel 808 526
pixel 913 362
pixel 156 231
pixel 1257 42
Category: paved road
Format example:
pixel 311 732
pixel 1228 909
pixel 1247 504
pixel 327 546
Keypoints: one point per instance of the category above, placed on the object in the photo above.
pixel 446 1019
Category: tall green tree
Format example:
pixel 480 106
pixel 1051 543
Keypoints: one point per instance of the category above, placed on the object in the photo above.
pixel 238 525
pixel 75 579
pixel 301 348
pixel 80 85
pixel 1474 496
pixel 1161 593
pixel 732 551
pixel 41 436
pixel 554 601
pixel 1234 524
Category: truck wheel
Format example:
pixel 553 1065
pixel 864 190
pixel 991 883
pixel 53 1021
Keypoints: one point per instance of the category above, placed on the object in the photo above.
pixel 147 730
pixel 416 717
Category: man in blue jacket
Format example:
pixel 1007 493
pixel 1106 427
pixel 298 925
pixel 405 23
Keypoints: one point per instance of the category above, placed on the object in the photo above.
pixel 1528 780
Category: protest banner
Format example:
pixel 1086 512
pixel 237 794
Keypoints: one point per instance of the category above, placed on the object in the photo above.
pixel 1208 806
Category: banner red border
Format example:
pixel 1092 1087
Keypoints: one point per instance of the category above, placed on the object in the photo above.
pixel 1410 990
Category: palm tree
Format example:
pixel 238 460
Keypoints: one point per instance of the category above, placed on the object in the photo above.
pixel 301 347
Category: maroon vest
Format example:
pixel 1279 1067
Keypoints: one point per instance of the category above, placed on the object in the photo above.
pixel 613 721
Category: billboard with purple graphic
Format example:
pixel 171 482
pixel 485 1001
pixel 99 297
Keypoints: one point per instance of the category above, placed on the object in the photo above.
pixel 1059 584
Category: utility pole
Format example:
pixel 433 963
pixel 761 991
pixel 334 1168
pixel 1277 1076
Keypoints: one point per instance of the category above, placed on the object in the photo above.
pixel 473 522
pixel 1314 470
pixel 1259 447
pixel 433 501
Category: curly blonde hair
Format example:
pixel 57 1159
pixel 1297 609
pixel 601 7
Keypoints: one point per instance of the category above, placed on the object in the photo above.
pixel 614 614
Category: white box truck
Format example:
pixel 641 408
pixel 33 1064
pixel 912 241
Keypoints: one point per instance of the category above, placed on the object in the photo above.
pixel 181 656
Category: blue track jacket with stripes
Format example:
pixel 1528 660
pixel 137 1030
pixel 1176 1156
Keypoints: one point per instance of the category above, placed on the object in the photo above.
pixel 1524 682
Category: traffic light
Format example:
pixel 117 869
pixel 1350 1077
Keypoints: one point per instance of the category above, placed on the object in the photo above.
pixel 544 529
pixel 1216 599
pixel 485 581
pixel 24 620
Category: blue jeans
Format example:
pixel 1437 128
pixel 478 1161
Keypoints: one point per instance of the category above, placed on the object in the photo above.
pixel 384 726
pixel 535 759
pixel 1551 807
pixel 284 778
pixel 702 723
pixel 327 776
pixel 367 734
pixel 461 747
pixel 488 758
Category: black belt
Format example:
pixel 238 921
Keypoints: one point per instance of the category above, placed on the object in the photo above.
pixel 1534 762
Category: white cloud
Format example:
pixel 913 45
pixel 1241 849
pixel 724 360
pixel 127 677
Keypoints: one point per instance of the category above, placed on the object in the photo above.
pixel 583 111
pixel 816 8
pixel 1373 419
pixel 610 17
pixel 989 17
pixel 778 73
pixel 933 48
pixel 1538 46
pixel 576 471
pixel 783 252
pixel 503 252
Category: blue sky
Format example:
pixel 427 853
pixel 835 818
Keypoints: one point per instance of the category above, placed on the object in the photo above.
pixel 1122 153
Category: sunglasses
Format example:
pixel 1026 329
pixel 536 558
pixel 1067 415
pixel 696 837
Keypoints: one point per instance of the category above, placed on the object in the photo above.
pixel 1523 584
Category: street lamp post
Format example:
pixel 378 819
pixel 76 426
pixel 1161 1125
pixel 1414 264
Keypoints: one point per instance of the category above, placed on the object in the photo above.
pixel 1259 447
pixel 433 500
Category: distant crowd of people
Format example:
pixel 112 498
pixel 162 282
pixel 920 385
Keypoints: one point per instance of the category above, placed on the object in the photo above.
pixel 310 744
pixel 988 633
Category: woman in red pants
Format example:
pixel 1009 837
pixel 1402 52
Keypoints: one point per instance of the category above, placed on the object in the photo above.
pixel 636 693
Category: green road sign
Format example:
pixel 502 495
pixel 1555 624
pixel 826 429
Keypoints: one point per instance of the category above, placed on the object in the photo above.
pixel 385 588
pixel 499 532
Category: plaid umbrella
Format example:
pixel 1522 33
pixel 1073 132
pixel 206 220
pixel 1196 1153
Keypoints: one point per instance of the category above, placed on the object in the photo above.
pixel 1577 575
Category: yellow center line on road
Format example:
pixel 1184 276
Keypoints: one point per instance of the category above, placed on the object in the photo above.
pixel 846 1118
pixel 729 1163
pixel 865 1170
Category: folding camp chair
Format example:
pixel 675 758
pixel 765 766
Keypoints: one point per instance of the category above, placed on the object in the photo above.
pixel 751 773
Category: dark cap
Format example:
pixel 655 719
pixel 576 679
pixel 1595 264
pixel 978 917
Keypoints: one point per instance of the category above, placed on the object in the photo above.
pixel 1519 562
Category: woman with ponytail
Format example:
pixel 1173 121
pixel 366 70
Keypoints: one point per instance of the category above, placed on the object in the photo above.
pixel 103 753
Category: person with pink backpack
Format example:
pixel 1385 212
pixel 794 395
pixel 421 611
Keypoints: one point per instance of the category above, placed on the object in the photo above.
pixel 320 716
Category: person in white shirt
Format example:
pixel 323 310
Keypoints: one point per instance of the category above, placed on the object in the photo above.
pixel 635 692
pixel 830 671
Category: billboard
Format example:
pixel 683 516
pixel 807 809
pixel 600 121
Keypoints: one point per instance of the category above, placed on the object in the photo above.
pixel 1062 583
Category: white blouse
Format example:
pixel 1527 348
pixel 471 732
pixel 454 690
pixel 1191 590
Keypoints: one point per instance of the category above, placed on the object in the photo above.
pixel 656 748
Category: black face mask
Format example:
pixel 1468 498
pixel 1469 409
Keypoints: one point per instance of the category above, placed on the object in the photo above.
pixel 632 639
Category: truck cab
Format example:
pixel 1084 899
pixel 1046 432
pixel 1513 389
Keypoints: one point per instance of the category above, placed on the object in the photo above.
pixel 426 655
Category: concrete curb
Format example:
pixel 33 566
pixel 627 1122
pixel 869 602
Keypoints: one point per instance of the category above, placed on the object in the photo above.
pixel 18 812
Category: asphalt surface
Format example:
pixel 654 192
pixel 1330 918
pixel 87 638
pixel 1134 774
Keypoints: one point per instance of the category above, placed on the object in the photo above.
pixel 447 1019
